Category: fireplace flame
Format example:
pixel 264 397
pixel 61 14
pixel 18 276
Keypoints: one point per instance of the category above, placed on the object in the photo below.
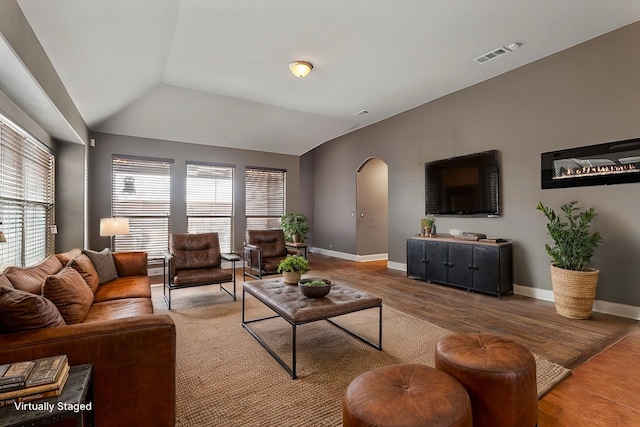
pixel 577 171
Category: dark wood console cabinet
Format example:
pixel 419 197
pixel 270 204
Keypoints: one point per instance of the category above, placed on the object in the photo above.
pixel 472 265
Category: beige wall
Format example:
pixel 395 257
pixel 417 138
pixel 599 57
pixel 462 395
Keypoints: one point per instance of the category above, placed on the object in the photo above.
pixel 588 94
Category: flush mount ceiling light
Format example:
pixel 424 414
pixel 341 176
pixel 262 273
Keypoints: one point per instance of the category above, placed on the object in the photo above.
pixel 301 68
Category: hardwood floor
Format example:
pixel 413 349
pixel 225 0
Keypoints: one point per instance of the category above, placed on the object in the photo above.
pixel 603 351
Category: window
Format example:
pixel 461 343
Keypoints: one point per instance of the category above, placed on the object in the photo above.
pixel 210 201
pixel 141 191
pixel 265 190
pixel 27 196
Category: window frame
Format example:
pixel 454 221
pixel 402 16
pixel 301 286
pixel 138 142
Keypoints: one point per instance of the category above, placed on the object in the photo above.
pixel 261 213
pixel 221 205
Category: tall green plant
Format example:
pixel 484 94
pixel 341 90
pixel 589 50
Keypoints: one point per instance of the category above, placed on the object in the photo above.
pixel 574 244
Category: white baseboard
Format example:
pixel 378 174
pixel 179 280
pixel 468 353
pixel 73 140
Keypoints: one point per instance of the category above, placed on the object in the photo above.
pixel 396 266
pixel 335 254
pixel 372 257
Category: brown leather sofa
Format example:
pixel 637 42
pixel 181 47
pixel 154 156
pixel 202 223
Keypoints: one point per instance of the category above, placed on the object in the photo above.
pixel 132 350
pixel 263 251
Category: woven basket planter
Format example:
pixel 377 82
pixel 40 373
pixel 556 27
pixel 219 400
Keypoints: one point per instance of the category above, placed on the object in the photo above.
pixel 291 278
pixel 574 291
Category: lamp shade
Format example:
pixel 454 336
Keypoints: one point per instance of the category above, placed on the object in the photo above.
pixel 301 68
pixel 114 226
pixel 2 238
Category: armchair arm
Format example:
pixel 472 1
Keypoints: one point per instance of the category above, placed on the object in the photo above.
pixel 230 257
pixel 251 247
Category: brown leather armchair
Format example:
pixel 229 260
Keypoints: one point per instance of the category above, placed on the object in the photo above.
pixel 263 251
pixel 195 260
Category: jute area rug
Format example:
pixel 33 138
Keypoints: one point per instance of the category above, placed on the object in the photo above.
pixel 225 378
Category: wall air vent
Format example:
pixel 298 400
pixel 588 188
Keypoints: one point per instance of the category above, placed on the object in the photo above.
pixel 492 55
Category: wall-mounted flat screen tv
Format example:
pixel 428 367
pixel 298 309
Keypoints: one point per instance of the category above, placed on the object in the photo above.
pixel 464 185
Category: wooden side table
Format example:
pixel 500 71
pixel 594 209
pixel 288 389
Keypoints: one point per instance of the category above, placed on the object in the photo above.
pixel 300 247
pixel 75 401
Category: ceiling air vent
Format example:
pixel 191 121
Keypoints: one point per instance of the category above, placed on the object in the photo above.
pixel 361 113
pixel 492 55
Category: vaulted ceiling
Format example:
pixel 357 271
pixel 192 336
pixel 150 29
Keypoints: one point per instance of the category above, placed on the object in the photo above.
pixel 216 71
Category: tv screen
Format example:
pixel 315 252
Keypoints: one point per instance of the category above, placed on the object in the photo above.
pixel 464 185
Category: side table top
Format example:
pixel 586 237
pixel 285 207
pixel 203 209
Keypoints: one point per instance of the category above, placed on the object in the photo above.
pixel 70 403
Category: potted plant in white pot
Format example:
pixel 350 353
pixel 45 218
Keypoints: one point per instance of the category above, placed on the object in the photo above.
pixel 574 282
pixel 295 226
pixel 292 268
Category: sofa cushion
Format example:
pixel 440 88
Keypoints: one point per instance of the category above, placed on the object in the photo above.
pixel 24 311
pixel 103 263
pixel 31 279
pixel 65 257
pixel 119 309
pixel 83 265
pixel 70 293
pixel 4 281
pixel 124 287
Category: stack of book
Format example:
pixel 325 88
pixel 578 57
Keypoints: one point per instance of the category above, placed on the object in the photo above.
pixel 33 379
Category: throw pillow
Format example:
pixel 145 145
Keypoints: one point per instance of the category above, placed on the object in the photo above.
pixel 103 263
pixel 70 293
pixel 31 278
pixel 65 257
pixel 24 311
pixel 83 265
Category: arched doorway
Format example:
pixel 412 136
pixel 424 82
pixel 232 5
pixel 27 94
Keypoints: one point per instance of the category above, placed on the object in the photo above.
pixel 372 211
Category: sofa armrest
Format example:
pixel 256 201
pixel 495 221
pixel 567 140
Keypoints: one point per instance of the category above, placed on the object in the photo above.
pixel 130 263
pixel 133 360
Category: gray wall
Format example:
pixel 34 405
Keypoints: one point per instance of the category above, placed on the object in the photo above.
pixel 107 145
pixel 588 94
pixel 70 180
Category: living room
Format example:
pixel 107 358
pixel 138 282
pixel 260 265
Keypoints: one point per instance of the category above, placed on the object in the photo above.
pixel 582 95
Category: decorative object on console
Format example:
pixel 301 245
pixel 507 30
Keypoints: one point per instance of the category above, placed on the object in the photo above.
pixel 574 284
pixel 292 268
pixel 314 287
pixel 428 225
pixel 295 226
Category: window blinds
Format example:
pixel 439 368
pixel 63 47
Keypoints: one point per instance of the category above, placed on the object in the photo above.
pixel 265 197
pixel 141 191
pixel 210 201
pixel 27 195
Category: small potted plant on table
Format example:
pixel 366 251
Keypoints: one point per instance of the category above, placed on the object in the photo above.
pixel 427 226
pixel 292 268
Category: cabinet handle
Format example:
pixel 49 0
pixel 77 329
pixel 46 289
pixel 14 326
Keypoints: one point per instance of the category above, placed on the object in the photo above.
pixel 471 267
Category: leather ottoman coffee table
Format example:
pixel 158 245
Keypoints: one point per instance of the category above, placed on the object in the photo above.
pixel 288 303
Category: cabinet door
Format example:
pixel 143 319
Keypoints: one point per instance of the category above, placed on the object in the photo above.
pixel 416 262
pixel 486 269
pixel 460 265
pixel 437 265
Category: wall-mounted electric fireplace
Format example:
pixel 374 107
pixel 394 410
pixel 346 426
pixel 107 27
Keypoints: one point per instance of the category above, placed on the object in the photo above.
pixel 601 164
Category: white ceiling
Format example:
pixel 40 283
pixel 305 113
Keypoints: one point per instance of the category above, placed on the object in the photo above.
pixel 216 71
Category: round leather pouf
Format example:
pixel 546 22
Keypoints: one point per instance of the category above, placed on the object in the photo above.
pixel 498 374
pixel 405 396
